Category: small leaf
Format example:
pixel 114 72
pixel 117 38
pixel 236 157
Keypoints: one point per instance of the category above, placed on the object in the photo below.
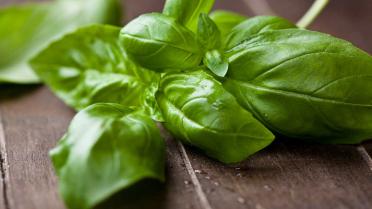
pixel 208 33
pixel 187 11
pixel 27 29
pixel 107 148
pixel 216 62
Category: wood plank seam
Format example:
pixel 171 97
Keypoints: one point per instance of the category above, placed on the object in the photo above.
pixel 195 181
pixel 365 156
pixel 4 164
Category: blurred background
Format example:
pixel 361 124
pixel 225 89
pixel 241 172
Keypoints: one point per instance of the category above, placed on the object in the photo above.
pixel 347 19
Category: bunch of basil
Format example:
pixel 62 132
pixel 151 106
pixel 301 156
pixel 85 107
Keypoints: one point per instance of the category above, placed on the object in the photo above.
pixel 221 82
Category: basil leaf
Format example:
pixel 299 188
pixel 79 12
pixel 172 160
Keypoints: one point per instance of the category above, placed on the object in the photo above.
pixel 187 11
pixel 107 148
pixel 160 43
pixel 226 20
pixel 304 84
pixel 254 26
pixel 89 66
pixel 208 33
pixel 216 62
pixel 29 28
pixel 210 37
pixel 200 112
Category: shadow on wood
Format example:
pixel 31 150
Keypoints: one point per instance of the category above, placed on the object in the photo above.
pixel 11 91
pixel 147 194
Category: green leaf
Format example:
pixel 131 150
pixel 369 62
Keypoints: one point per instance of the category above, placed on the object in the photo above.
pixel 304 84
pixel 107 148
pixel 89 66
pixel 150 105
pixel 208 33
pixel 187 11
pixel 254 26
pixel 226 20
pixel 160 43
pixel 29 28
pixel 216 62
pixel 199 111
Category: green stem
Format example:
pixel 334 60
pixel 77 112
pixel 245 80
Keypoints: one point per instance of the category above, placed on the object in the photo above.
pixel 312 13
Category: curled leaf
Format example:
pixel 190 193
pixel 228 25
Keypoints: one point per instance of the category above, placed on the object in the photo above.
pixel 108 147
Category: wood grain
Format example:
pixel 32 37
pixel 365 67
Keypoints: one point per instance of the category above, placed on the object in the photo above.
pixel 33 120
pixel 289 174
pixel 4 180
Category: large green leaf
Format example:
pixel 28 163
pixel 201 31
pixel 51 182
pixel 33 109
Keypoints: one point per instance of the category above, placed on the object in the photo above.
pixel 107 148
pixel 187 11
pixel 160 43
pixel 27 29
pixel 253 26
pixel 226 20
pixel 304 84
pixel 89 66
pixel 199 111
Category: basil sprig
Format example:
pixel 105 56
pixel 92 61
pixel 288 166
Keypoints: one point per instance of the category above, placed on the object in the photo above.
pixel 221 83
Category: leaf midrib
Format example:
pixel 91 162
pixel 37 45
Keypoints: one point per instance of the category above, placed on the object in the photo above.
pixel 301 95
pixel 160 43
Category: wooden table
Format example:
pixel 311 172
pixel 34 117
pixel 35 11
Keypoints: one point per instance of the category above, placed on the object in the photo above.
pixel 286 175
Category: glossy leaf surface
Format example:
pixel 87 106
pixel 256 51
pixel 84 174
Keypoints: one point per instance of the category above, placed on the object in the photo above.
pixel 160 43
pixel 90 66
pixel 304 84
pixel 208 33
pixel 27 29
pixel 216 62
pixel 254 26
pixel 107 148
pixel 200 112
pixel 187 11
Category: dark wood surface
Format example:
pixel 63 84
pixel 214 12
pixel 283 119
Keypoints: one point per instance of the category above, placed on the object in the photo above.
pixel 288 174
